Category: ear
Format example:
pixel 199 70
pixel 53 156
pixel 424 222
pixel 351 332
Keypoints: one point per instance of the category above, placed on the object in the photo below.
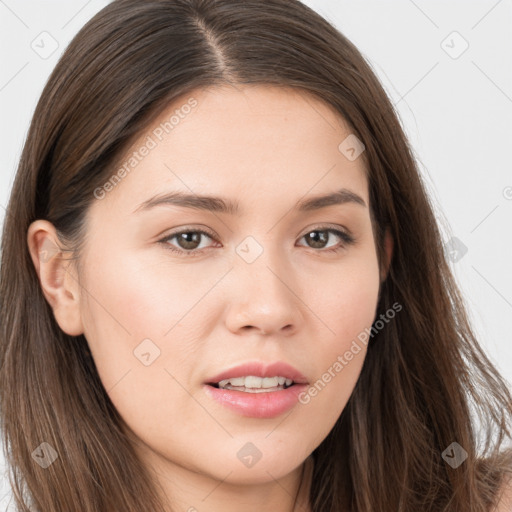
pixel 58 283
pixel 388 252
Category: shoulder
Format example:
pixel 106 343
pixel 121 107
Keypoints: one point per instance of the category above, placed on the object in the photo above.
pixel 505 496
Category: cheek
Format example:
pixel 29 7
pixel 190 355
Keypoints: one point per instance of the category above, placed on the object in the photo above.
pixel 129 308
pixel 141 318
pixel 347 308
pixel 124 309
pixel 139 297
pixel 345 298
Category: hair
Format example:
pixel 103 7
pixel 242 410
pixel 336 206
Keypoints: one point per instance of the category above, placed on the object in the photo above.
pixel 425 381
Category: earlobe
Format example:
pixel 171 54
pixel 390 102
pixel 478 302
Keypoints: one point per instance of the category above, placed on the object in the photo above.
pixel 58 284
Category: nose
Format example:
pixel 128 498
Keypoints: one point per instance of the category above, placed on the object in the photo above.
pixel 264 298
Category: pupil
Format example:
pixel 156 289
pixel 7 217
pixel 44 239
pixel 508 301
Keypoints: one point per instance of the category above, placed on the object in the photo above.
pixel 315 235
pixel 191 240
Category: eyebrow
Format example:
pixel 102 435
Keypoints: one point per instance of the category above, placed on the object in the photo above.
pixel 221 205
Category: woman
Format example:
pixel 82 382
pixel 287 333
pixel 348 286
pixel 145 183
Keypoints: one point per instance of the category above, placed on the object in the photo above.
pixel 223 286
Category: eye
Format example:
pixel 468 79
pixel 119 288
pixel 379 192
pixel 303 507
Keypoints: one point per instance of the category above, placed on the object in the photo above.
pixel 189 240
pixel 319 237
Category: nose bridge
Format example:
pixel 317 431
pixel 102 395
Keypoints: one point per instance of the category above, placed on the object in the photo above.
pixel 265 298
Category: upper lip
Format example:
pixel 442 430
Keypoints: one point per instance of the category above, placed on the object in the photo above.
pixel 259 369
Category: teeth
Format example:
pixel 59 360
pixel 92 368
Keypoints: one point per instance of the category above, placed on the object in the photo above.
pixel 238 381
pixel 256 382
pixel 252 382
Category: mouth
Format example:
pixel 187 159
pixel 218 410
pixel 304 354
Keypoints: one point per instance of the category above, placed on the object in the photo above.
pixel 257 390
pixel 257 377
pixel 254 384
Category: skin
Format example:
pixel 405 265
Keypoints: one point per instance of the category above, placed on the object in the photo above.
pixel 267 148
pixel 505 496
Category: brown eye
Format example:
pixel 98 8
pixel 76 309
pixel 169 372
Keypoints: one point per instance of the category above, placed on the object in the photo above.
pixel 187 241
pixel 318 239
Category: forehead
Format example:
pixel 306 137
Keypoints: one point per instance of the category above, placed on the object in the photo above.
pixel 241 142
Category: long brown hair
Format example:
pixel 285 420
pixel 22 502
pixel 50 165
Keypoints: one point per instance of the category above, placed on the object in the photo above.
pixel 425 383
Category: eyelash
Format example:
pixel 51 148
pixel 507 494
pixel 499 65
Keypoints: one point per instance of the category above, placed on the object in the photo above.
pixel 347 240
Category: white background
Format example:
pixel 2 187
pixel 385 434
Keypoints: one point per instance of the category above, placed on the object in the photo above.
pixel 457 113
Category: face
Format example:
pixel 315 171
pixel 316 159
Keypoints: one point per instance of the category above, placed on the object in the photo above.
pixel 177 293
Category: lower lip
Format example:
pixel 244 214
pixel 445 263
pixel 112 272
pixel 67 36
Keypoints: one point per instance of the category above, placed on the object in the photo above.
pixel 257 405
